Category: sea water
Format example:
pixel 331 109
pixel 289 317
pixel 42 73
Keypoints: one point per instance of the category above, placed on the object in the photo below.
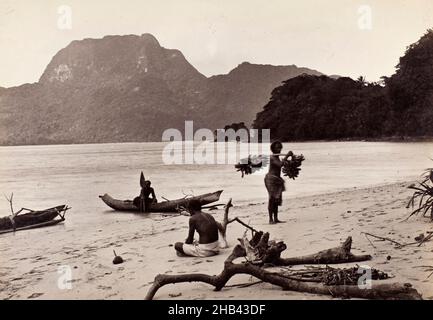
pixel 45 176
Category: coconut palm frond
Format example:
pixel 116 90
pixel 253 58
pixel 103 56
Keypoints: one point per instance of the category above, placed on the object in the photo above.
pixel 422 196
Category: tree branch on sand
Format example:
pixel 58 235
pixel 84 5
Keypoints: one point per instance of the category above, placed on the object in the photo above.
pixel 397 244
pixel 427 269
pixel 263 252
pixel 222 226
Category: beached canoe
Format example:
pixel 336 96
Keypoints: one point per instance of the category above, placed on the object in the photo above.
pixel 165 206
pixel 33 219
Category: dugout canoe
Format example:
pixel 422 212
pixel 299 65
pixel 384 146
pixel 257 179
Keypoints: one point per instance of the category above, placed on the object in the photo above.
pixel 165 206
pixel 33 219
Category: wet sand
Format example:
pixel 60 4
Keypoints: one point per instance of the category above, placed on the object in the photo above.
pixel 35 264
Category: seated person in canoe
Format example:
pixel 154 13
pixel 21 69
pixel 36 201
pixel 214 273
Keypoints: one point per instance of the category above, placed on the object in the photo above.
pixel 144 200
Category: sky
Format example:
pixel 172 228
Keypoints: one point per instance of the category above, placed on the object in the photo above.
pixel 343 37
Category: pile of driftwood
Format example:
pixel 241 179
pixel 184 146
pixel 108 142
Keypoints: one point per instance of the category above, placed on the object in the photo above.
pixel 336 276
pixel 260 253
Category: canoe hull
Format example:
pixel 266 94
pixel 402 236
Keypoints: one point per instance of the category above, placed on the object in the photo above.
pixel 33 219
pixel 165 206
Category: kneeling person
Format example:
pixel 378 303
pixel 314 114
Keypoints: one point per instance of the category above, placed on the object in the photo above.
pixel 206 226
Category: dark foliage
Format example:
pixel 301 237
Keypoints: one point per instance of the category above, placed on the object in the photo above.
pixel 240 132
pixel 310 107
pixel 319 107
pixel 292 167
pixel 423 195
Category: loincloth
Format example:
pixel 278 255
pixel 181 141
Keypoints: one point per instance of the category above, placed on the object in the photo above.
pixel 275 186
pixel 201 250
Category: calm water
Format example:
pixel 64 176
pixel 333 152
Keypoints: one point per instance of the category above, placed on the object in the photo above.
pixel 45 176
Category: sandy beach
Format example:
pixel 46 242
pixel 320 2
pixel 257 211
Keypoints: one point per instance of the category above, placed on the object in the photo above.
pixel 34 262
pixel 121 121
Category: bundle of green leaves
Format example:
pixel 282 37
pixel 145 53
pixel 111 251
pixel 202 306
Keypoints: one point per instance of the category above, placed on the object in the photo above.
pixel 292 167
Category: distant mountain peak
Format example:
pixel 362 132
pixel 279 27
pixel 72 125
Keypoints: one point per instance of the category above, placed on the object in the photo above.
pixel 248 64
pixel 256 67
pixel 112 57
pixel 129 88
pixel 150 37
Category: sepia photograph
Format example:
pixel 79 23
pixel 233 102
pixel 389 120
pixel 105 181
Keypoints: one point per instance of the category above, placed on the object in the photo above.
pixel 204 150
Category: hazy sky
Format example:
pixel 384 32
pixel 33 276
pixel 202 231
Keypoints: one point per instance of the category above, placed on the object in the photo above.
pixel 334 36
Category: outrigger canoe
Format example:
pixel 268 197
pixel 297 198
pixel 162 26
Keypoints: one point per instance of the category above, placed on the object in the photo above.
pixel 33 219
pixel 165 206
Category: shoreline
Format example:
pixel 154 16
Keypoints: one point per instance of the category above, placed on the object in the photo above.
pixel 404 181
pixel 406 139
pixel 313 223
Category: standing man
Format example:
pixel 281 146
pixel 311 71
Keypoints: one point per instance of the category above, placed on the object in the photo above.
pixel 207 229
pixel 273 181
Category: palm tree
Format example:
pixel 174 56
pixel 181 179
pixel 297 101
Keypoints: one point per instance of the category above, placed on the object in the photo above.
pixel 362 80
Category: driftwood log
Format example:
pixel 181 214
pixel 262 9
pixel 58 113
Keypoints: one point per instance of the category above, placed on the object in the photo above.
pixel 270 251
pixel 262 252
pixel 339 254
